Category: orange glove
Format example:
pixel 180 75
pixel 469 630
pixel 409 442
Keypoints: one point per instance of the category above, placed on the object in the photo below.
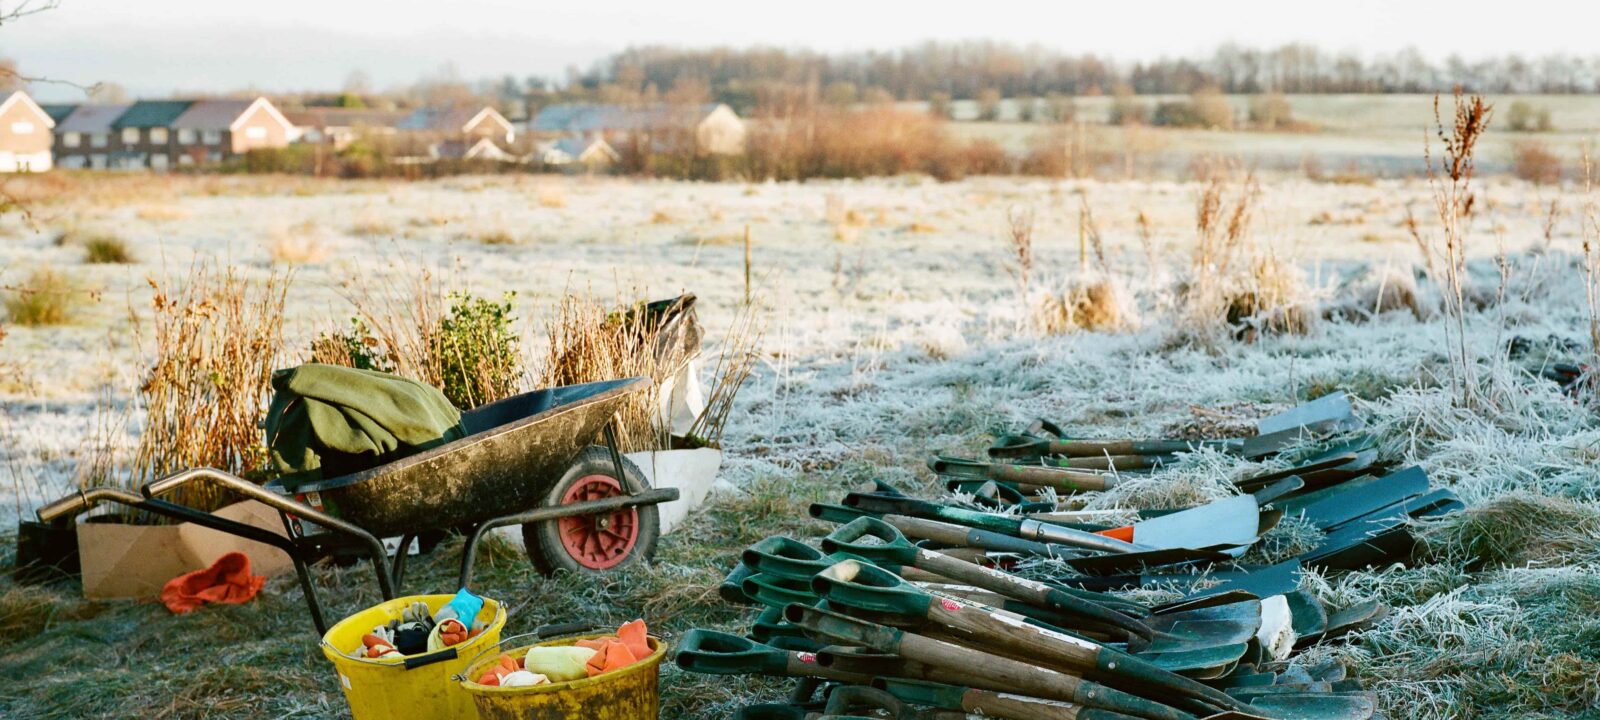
pixel 637 637
pixel 452 632
pixel 376 647
pixel 505 667
pixel 609 654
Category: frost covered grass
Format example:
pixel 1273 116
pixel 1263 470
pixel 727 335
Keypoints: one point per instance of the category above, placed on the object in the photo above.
pixel 877 352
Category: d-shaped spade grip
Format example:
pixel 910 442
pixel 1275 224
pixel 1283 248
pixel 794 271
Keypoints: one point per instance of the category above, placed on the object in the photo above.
pixel 777 592
pixel 858 585
pixel 836 513
pixel 849 699
pixel 887 545
pixel 787 558
pixel 719 653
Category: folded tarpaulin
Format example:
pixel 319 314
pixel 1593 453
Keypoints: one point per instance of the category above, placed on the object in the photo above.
pixel 327 420
pixel 227 581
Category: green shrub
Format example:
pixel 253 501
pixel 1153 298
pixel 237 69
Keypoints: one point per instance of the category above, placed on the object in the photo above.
pixel 478 355
pixel 47 297
pixel 106 250
pixel 355 348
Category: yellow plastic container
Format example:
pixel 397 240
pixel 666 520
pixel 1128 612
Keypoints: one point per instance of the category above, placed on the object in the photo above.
pixel 417 686
pixel 632 693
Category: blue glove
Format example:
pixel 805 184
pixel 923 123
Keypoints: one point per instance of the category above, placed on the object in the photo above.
pixel 463 608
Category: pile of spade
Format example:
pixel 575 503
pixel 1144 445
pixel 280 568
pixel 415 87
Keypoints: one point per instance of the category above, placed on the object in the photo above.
pixel 994 602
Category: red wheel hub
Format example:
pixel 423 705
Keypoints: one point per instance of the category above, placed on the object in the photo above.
pixel 602 541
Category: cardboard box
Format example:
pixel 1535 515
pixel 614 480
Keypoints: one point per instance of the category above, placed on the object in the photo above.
pixel 120 560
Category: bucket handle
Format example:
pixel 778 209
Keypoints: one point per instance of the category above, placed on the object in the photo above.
pixel 413 662
pixel 541 632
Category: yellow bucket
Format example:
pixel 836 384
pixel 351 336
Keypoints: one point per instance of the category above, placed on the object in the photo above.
pixel 416 686
pixel 631 693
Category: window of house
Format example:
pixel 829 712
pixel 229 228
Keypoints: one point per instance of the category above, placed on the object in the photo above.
pixel 158 162
pixel 97 162
pixel 185 137
pixel 71 139
pixel 130 136
pixel 22 128
pixel 212 137
pixel 256 133
pixel 158 135
pixel 185 159
pixel 97 140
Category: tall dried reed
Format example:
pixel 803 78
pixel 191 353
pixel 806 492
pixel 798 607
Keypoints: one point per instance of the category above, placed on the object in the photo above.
pixel 216 338
pixel 588 342
pixel 736 360
pixel 1450 179
pixel 1019 234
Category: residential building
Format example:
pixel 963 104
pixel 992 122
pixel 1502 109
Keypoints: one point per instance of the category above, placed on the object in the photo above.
pixel 142 137
pixel 341 126
pixel 25 137
pixel 470 149
pixel 459 123
pixel 83 136
pixel 590 153
pixel 704 129
pixel 212 131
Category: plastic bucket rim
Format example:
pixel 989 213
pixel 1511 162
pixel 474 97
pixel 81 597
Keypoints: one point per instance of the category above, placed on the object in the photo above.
pixel 653 660
pixel 336 656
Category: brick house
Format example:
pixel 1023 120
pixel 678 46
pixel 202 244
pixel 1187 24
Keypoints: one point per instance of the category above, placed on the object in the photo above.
pixel 213 131
pixel 83 135
pixel 163 134
pixel 25 137
pixel 460 123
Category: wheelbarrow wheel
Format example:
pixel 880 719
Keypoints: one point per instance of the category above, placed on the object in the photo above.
pixel 593 543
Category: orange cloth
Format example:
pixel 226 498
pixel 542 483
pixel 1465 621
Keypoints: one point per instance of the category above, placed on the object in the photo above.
pixel 505 667
pixel 631 644
pixel 609 654
pixel 228 580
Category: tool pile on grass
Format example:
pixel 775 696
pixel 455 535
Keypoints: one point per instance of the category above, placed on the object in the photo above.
pixel 1000 600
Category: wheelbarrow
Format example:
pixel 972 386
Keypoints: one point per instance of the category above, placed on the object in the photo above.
pixel 526 460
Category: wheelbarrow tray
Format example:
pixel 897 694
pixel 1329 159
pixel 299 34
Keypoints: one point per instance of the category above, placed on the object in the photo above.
pixel 514 452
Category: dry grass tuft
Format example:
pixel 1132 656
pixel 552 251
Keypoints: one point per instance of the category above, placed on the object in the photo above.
pixel 589 342
pixel 106 249
pixel 1389 289
pixel 1271 296
pixel 493 237
pixel 300 244
pixel 550 196
pixel 370 225
pixel 162 213
pixel 46 297
pixel 1518 530
pixel 1095 303
pixel 216 338
pixel 1019 236
pixel 1533 161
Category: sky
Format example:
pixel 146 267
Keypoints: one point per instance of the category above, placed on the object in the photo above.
pixel 160 47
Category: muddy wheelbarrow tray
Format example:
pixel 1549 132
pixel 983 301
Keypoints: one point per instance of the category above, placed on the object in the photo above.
pixel 515 452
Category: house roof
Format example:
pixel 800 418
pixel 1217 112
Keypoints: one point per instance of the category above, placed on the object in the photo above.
pixel 211 114
pixel 16 96
pixel 58 111
pixel 91 118
pixel 152 113
pixel 446 119
pixel 574 117
pixel 345 117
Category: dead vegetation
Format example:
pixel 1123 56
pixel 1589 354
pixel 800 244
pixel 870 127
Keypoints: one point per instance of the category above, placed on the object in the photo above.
pixel 216 337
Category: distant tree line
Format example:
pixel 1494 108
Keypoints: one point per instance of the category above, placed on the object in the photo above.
pixel 969 70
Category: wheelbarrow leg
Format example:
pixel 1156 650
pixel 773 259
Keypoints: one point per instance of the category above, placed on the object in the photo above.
pixel 313 602
pixel 615 449
pixel 400 557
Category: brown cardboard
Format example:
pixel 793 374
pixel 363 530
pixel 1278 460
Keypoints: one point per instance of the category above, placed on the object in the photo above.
pixel 134 561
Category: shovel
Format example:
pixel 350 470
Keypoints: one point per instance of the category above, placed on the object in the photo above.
pixel 853 585
pixel 1019 527
pixel 717 653
pixel 983 669
pixel 1232 522
pixel 1059 478
pixel 985 703
pixel 888 545
pixel 1328 414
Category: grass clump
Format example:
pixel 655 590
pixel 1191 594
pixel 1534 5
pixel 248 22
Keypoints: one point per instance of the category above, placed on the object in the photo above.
pixel 1518 530
pixel 1095 304
pixel 216 338
pixel 107 250
pixel 46 297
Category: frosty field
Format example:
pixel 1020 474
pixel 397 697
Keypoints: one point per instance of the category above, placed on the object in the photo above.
pixel 895 328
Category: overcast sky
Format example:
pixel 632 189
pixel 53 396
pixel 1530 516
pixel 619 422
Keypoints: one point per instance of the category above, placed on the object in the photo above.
pixel 157 48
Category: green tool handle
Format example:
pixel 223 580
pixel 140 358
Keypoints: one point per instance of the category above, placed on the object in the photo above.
pixel 1098 448
pixel 963 536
